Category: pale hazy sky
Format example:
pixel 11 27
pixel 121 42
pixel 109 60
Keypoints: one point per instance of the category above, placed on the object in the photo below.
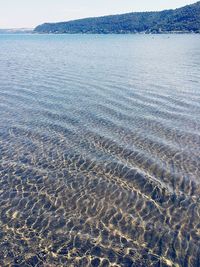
pixel 30 13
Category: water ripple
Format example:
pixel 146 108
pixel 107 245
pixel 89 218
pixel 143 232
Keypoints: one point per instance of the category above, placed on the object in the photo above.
pixel 100 150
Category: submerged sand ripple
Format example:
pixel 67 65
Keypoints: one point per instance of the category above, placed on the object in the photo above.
pixel 99 155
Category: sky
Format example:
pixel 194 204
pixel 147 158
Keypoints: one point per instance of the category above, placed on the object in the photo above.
pixel 30 13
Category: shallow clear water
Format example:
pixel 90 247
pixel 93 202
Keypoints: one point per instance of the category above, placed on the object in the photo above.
pixel 100 150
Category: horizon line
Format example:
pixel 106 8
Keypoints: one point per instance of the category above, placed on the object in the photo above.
pixel 87 17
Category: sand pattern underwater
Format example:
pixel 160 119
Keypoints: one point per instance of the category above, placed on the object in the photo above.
pixel 100 150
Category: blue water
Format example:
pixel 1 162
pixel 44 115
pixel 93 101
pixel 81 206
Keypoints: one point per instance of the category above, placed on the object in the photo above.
pixel 99 150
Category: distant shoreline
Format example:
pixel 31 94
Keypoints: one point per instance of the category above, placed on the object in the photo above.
pixel 127 33
pixel 48 33
pixel 174 21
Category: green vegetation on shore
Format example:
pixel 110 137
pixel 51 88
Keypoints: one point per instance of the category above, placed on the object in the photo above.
pixel 185 19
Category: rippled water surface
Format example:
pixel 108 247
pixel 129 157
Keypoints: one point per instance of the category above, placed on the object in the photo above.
pixel 100 150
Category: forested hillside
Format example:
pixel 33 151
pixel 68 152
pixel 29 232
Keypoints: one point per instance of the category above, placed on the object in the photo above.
pixel 185 19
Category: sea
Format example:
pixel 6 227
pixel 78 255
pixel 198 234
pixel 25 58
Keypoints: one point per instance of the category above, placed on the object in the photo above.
pixel 100 150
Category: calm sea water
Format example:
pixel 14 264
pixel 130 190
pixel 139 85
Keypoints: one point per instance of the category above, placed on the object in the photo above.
pixel 100 150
